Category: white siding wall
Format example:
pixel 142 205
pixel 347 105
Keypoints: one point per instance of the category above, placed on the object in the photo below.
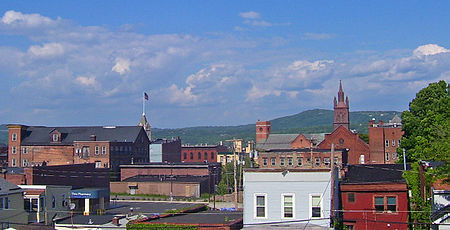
pixel 274 184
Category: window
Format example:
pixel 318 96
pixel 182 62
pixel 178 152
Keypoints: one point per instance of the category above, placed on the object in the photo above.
pixel 98 164
pixel 379 204
pixel 317 160
pixel 25 150
pixel 14 150
pixel 391 204
pixel 13 162
pixel 265 161
pixel 273 161
pixel 63 202
pixel 212 155
pixel 206 156
pixel 316 206
pixel 341 141
pixel 4 203
pixel 192 156
pixel 25 163
pixel 386 143
pixel 326 161
pixel 288 206
pixel 290 161
pixel 299 161
pixel 361 159
pixel 85 151
pixel 97 150
pixel 14 137
pixel 398 142
pixel 53 202
pixel 260 206
pixel 185 155
pixel 351 197
pixel 199 155
pixel 393 142
pixel 103 150
pixel 77 150
pixel 281 161
pixel 394 156
pixel 55 137
pixel 336 161
pixel 387 157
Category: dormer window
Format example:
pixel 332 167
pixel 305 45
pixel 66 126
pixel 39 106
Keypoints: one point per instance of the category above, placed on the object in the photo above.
pixel 55 137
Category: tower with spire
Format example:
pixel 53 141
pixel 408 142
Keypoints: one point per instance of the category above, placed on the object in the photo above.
pixel 341 110
pixel 144 123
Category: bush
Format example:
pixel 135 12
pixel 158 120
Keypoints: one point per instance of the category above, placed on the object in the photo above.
pixel 142 226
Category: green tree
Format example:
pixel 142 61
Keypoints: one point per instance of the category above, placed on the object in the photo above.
pixel 426 126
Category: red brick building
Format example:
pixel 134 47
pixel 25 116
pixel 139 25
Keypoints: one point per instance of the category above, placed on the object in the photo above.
pixel 202 153
pixel 107 147
pixel 384 139
pixel 374 197
pixel 358 150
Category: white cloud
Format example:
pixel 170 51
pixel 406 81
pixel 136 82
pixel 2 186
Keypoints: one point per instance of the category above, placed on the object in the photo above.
pixel 429 49
pixel 122 66
pixel 87 81
pixel 14 18
pixel 47 50
pixel 250 14
pixel 179 96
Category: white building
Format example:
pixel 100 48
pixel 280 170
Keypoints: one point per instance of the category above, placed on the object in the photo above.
pixel 295 198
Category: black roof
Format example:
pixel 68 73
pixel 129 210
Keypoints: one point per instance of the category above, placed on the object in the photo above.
pixel 374 173
pixel 206 217
pixel 166 178
pixel 40 135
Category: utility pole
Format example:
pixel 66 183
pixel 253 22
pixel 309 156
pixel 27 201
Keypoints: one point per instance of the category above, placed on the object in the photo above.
pixel 235 172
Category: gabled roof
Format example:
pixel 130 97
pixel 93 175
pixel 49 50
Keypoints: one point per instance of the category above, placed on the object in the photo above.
pixel 7 187
pixel 39 135
pixel 374 173
pixel 277 141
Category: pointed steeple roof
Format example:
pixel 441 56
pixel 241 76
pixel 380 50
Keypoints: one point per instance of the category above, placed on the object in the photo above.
pixel 144 123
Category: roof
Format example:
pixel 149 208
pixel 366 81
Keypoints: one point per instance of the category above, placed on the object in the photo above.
pixel 206 217
pixel 40 135
pixel 166 178
pixel 172 165
pixel 7 187
pixel 277 141
pixel 374 173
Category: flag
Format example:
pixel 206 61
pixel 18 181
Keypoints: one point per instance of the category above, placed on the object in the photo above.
pixel 145 96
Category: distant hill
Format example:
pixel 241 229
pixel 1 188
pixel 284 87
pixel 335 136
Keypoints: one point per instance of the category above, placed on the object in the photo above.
pixel 310 121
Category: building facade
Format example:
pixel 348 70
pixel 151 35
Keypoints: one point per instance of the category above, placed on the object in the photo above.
pixel 107 147
pixel 163 150
pixel 201 153
pixel 301 158
pixel 283 196
pixel 384 139
pixel 374 197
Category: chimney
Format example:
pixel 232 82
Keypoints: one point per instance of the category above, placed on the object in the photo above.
pixel 93 137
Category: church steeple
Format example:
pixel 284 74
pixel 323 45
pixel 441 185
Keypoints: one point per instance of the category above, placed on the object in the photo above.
pixel 144 123
pixel 341 109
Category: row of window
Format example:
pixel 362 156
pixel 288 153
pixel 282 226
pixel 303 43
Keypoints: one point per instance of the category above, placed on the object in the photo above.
pixel 388 156
pixel 85 150
pixel 381 203
pixel 300 162
pixel 386 142
pixel 199 155
pixel 287 206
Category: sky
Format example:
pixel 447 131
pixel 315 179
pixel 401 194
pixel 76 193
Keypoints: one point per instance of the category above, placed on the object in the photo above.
pixel 211 63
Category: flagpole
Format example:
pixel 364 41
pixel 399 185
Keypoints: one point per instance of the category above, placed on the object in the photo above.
pixel 143 104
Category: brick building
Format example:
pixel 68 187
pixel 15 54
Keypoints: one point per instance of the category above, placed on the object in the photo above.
pixel 374 197
pixel 384 139
pixel 201 153
pixel 163 150
pixel 107 147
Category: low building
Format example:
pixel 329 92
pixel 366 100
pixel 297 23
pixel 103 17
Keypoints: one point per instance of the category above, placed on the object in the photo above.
pixel 374 197
pixel 440 207
pixel 173 186
pixel 46 203
pixel 384 139
pixel 293 198
pixel 163 150
pixel 228 157
pixel 201 153
pixel 12 211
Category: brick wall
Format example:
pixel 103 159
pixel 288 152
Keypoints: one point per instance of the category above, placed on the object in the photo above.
pixel 130 172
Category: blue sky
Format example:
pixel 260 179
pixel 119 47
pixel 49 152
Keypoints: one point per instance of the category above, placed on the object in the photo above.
pixel 213 62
